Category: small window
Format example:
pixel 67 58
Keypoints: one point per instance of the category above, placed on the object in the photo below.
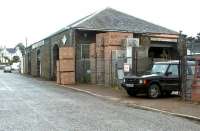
pixel 173 69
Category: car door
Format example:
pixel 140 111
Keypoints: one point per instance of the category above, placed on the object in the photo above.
pixel 172 78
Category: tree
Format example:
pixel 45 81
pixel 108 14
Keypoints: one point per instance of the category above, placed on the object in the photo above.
pixel 6 58
pixel 191 39
pixel 198 37
pixel 15 59
pixel 21 48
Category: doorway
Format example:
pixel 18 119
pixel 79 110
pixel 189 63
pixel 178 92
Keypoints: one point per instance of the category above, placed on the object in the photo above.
pixel 38 64
pixel 55 58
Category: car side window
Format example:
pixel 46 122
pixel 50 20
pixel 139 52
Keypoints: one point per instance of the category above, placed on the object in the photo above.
pixel 173 69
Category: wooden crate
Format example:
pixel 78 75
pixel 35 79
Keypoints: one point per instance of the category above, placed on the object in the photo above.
pixel 100 39
pixel 67 78
pixel 58 77
pixel 93 50
pixel 57 65
pixel 66 53
pixel 67 65
pixel 115 38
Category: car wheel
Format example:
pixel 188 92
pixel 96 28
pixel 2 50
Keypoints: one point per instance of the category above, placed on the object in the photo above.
pixel 131 92
pixel 154 91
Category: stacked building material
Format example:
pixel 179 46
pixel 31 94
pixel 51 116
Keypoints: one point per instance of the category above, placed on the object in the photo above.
pixel 93 62
pixel 58 72
pixel 100 58
pixel 113 41
pixel 66 66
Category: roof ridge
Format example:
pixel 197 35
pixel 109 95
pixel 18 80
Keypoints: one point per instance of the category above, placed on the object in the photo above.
pixel 86 18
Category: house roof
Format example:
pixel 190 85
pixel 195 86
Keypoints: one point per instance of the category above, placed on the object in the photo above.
pixel 11 50
pixel 111 19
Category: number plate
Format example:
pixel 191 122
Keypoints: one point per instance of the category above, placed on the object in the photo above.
pixel 129 85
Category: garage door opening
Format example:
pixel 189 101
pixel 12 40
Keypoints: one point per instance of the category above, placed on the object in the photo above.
pixel 162 53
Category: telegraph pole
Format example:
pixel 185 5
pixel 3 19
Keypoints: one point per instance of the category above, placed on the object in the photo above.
pixel 26 41
pixel 183 65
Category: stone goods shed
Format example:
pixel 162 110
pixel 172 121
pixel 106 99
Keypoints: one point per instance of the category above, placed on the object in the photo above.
pixel 93 40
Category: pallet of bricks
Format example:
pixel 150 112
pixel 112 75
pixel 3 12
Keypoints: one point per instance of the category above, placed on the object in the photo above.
pixel 66 66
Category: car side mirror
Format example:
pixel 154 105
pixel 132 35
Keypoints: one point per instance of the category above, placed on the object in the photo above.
pixel 168 73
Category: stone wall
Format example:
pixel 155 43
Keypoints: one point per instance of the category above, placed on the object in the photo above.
pixel 45 62
pixel 58 40
pixel 34 62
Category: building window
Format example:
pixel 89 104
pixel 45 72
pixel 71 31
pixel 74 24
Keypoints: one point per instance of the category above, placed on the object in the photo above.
pixel 85 51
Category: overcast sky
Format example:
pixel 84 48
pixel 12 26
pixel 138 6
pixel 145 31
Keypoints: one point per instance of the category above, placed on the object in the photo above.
pixel 36 19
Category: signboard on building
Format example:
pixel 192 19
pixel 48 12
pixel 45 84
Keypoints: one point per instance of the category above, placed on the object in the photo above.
pixel 133 42
pixel 64 39
pixel 126 67
pixel 38 44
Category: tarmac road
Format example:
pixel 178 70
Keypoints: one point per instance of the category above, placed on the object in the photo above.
pixel 28 104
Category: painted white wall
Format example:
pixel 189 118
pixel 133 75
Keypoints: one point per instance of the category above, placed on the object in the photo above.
pixel 4 52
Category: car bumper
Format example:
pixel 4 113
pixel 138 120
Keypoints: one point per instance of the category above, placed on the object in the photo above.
pixel 7 70
pixel 135 87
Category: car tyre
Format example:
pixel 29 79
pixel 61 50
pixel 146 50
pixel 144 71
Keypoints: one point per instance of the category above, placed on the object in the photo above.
pixel 154 91
pixel 131 92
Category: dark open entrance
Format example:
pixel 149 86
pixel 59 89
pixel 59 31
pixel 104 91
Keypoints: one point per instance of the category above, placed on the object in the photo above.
pixel 55 58
pixel 163 51
pixel 166 53
pixel 29 63
pixel 38 64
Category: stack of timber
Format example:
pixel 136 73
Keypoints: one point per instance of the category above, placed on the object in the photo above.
pixel 113 41
pixel 93 63
pixel 100 58
pixel 66 66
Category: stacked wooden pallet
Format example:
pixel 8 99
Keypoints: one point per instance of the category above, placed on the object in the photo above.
pixel 93 62
pixel 100 65
pixel 66 66
pixel 113 42
pixel 105 44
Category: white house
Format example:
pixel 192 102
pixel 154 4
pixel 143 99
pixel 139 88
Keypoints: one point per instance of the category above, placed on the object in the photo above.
pixel 9 53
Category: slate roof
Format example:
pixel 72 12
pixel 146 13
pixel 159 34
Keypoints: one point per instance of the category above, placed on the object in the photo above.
pixel 111 19
pixel 11 50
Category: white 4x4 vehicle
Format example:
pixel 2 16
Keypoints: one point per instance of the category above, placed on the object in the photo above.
pixel 7 69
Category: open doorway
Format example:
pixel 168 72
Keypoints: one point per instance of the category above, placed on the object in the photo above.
pixel 29 63
pixel 55 58
pixel 162 53
pixel 38 64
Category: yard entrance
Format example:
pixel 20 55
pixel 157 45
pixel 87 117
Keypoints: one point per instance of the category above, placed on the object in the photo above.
pixel 159 51
pixel 83 64
pixel 55 58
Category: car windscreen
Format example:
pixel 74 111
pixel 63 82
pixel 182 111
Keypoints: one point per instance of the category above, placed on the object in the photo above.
pixel 159 68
